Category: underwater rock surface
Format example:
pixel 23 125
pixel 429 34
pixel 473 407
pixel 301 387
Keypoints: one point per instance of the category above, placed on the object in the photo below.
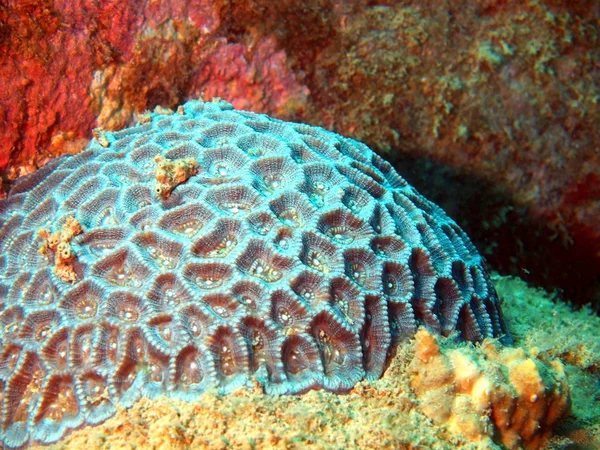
pixel 207 249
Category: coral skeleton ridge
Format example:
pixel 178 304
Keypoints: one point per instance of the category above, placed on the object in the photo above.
pixel 276 253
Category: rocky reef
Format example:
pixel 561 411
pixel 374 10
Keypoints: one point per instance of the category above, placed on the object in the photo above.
pixel 493 95
pixel 488 109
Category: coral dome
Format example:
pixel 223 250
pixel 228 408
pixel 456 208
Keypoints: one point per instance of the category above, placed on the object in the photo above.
pixel 208 248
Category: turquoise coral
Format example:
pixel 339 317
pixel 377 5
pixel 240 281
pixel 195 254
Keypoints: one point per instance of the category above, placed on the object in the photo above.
pixel 290 255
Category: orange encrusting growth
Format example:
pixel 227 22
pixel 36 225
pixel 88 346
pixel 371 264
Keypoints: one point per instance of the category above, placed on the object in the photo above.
pixel 59 242
pixel 171 173
pixel 489 390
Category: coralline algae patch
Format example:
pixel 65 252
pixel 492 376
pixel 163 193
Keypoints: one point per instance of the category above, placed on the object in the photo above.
pixel 212 248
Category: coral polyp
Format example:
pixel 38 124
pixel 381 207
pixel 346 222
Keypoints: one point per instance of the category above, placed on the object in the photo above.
pixel 211 248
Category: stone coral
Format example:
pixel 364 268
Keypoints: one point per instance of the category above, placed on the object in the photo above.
pixel 294 257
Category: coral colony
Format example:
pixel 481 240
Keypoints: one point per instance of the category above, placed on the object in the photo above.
pixel 206 247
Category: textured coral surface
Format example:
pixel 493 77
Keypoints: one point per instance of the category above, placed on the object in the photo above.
pixel 386 413
pixel 289 255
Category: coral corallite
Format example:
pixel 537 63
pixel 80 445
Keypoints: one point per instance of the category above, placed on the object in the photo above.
pixel 283 254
